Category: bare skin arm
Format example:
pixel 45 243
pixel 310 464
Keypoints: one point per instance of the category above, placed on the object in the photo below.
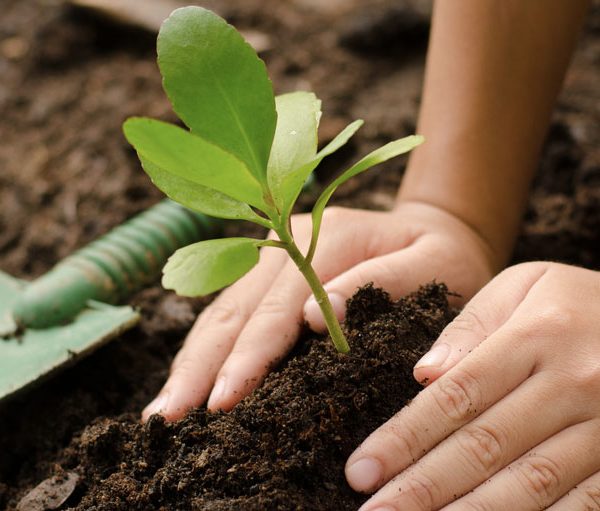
pixel 471 438
pixel 494 70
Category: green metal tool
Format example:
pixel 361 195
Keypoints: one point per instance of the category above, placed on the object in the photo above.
pixel 68 312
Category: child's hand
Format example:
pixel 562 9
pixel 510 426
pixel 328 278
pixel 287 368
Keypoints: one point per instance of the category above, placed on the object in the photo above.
pixel 255 322
pixel 513 419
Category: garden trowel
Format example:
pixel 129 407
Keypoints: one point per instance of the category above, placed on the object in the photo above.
pixel 68 312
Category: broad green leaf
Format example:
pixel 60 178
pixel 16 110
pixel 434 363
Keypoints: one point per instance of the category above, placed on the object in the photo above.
pixel 292 182
pixel 207 266
pixel 218 86
pixel 200 198
pixel 295 142
pixel 380 155
pixel 188 156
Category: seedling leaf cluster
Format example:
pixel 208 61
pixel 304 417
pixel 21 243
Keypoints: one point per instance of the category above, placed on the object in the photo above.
pixel 245 156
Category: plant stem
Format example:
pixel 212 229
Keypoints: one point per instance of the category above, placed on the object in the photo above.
pixel 333 325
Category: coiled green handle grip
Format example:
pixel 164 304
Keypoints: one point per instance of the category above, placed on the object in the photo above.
pixel 113 267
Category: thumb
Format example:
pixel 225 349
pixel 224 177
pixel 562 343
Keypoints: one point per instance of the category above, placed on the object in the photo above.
pixel 489 310
pixel 398 273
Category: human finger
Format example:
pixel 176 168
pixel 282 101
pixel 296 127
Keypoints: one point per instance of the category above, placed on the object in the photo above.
pixel 389 272
pixel 211 339
pixel 452 401
pixel 272 329
pixel 481 448
pixel 267 336
pixel 398 272
pixel 476 383
pixel 583 497
pixel 540 478
pixel 401 271
pixel 485 313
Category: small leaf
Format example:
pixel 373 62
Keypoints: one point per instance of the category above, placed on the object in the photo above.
pixel 380 155
pixel 205 267
pixel 200 198
pixel 292 182
pixel 295 142
pixel 188 156
pixel 341 138
pixel 218 86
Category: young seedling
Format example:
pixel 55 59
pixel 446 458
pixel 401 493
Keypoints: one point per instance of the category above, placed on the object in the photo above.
pixel 246 156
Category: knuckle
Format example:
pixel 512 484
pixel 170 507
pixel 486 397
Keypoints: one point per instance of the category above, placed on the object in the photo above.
pixel 528 266
pixel 375 271
pixel 223 312
pixel 483 446
pixel 422 491
pixel 271 305
pixel 557 317
pixel 470 321
pixel 402 439
pixel 554 319
pixel 586 379
pixel 249 353
pixel 476 504
pixel 540 477
pixel 590 496
pixel 530 271
pixel 457 395
pixel 183 369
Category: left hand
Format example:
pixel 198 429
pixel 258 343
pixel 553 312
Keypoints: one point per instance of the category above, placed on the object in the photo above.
pixel 512 418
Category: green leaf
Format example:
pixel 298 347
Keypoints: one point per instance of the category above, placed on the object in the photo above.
pixel 188 156
pixel 341 138
pixel 205 267
pixel 218 86
pixel 295 141
pixel 292 182
pixel 380 155
pixel 200 198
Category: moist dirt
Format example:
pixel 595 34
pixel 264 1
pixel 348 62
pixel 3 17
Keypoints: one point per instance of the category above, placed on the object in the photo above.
pixel 67 81
pixel 285 445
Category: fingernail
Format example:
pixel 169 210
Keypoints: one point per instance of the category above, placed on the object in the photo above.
pixel 338 303
pixel 217 394
pixel 158 405
pixel 314 316
pixel 364 475
pixel 434 357
pixel 311 308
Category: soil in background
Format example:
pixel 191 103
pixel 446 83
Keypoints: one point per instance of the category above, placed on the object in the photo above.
pixel 67 81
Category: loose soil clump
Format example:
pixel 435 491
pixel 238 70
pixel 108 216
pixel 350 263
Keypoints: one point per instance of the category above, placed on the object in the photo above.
pixel 283 447
pixel 67 175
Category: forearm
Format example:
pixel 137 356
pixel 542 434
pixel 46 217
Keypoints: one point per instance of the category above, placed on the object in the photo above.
pixel 494 70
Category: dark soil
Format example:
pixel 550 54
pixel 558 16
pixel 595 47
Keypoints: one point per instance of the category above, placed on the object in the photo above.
pixel 67 81
pixel 283 447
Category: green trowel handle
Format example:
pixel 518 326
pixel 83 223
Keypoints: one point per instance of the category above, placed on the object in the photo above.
pixel 113 267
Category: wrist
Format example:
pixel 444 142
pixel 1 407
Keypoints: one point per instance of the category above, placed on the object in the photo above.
pixel 461 179
pixel 493 257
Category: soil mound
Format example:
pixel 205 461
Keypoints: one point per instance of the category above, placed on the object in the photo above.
pixel 283 447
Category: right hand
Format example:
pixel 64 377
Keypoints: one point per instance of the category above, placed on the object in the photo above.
pixel 252 324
